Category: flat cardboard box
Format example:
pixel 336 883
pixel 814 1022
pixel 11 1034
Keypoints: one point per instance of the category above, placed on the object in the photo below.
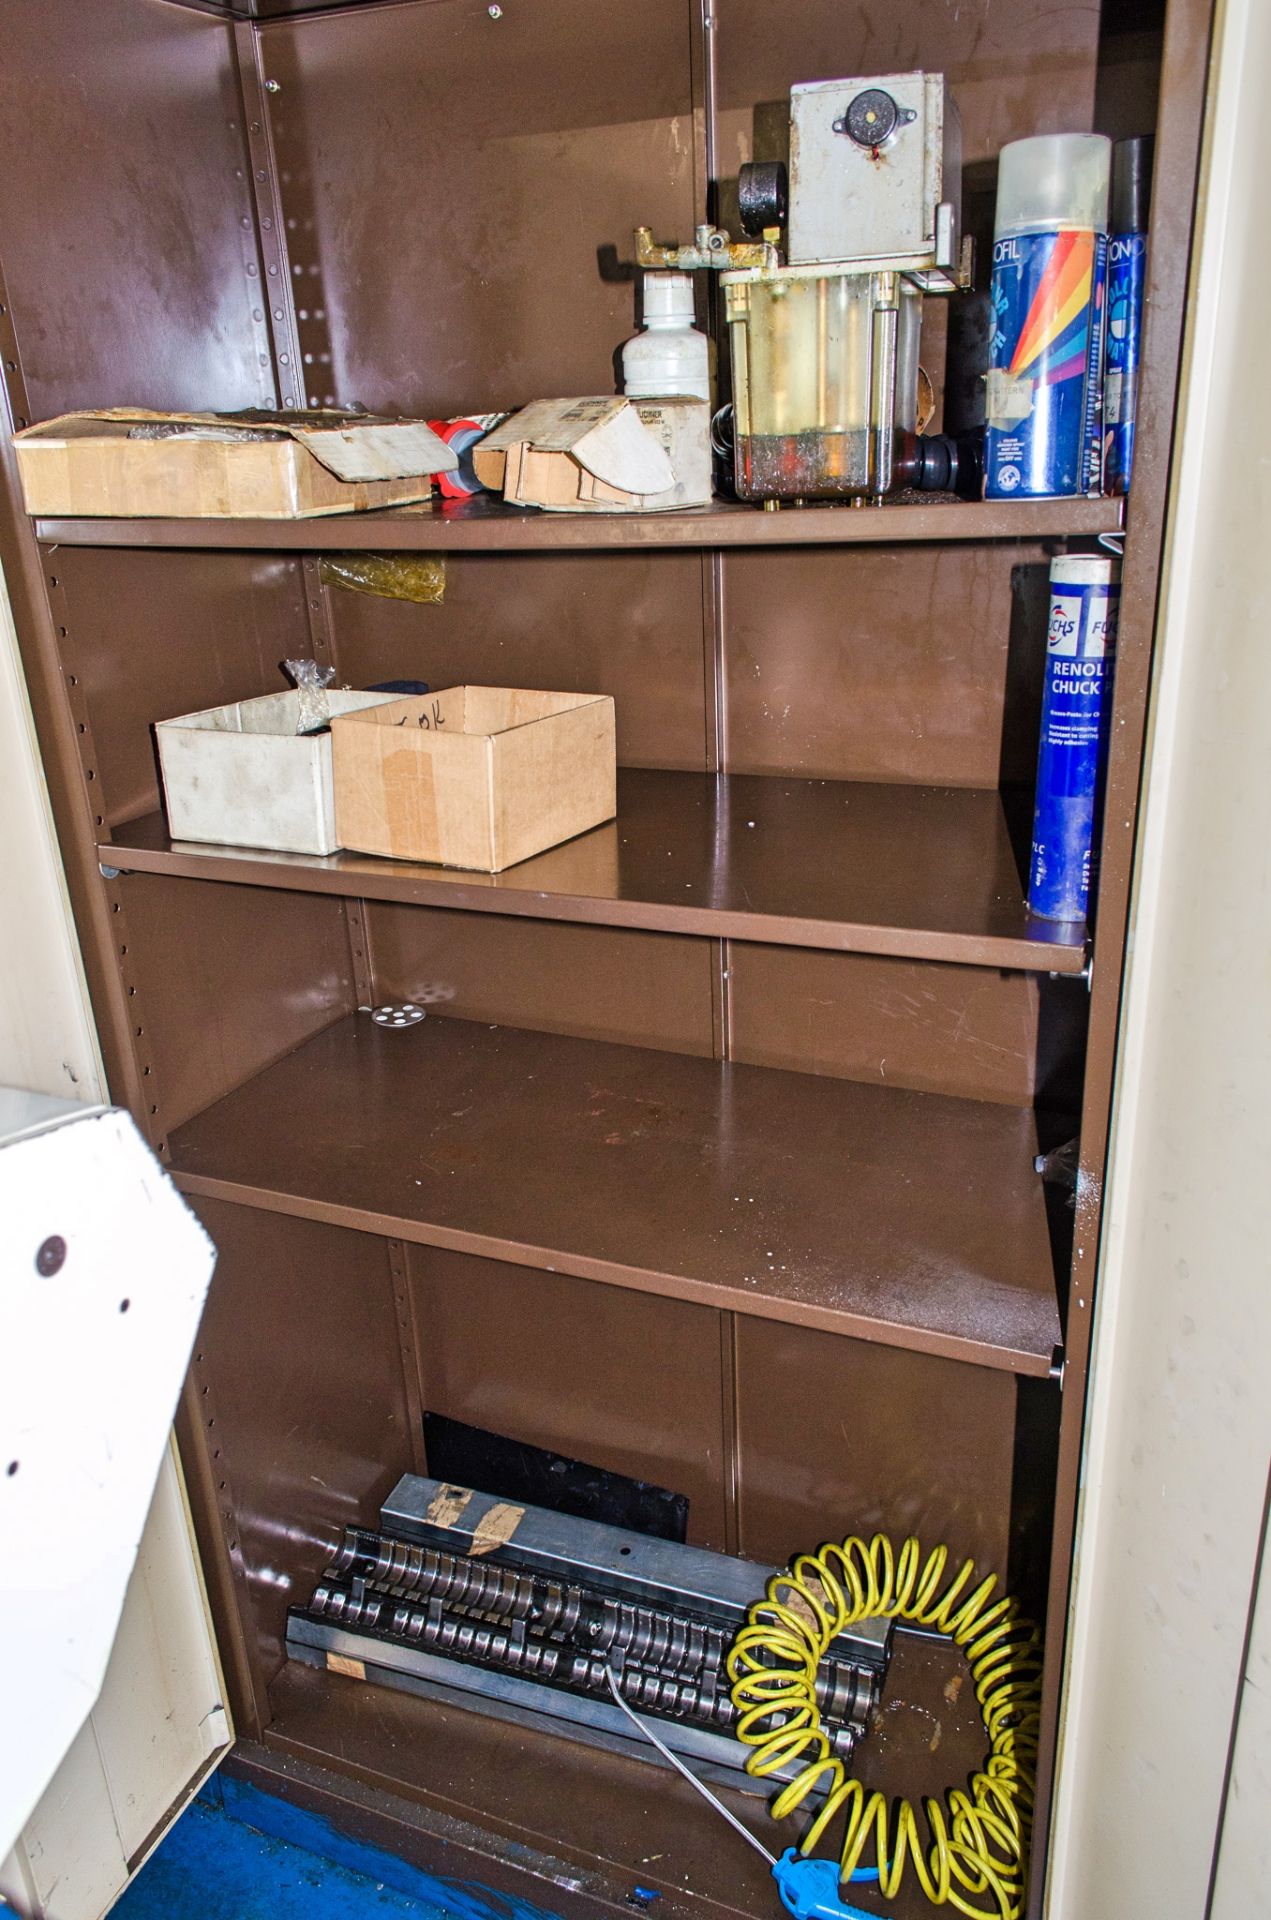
pixel 477 777
pixel 601 454
pixel 241 776
pixel 89 464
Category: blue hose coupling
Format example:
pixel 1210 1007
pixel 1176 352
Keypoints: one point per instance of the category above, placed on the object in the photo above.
pixel 810 1888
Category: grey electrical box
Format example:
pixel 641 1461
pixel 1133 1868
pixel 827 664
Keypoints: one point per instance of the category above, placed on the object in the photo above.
pixel 875 172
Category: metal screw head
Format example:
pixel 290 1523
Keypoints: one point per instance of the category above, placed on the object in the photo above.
pixel 495 13
pixel 273 86
pixel 51 1255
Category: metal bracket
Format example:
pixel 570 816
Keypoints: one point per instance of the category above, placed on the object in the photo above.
pixel 275 281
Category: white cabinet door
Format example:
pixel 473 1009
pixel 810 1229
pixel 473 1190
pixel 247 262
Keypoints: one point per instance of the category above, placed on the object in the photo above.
pixel 159 1723
pixel 158 1729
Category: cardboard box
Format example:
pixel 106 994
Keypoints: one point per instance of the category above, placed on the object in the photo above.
pixel 477 777
pixel 225 466
pixel 603 455
pixel 241 776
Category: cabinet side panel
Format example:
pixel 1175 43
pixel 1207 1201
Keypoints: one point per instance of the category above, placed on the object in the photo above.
pixel 461 185
pixel 154 635
pixel 613 1378
pixel 608 983
pixel 126 218
pixel 225 980
pixel 300 1352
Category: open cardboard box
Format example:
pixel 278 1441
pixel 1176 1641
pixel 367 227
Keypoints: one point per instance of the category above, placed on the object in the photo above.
pixel 601 455
pixel 285 466
pixel 478 777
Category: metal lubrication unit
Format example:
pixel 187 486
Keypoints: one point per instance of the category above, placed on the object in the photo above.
pixel 825 345
pixel 524 1614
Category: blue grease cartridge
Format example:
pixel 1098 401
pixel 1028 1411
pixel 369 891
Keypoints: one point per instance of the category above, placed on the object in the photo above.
pixel 1127 270
pixel 1085 596
pixel 1043 402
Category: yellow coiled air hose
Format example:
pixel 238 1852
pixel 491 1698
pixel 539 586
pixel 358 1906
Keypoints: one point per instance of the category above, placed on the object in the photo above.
pixel 975 1858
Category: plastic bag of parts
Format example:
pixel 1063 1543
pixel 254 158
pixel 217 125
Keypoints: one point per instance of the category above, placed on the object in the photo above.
pixel 420 577
pixel 312 682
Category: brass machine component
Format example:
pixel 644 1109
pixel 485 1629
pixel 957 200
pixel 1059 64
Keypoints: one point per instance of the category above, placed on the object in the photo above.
pixel 711 248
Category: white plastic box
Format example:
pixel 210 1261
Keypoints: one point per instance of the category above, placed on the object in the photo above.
pixel 241 776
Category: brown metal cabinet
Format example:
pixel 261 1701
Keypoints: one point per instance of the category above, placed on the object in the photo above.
pixel 714 1163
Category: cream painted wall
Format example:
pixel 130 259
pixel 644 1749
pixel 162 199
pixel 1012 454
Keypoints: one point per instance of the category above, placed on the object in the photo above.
pixel 1175 1476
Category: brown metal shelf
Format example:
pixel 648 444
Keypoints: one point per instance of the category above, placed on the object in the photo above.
pixel 911 1219
pixel 488 525
pixel 926 873
pixel 553 1813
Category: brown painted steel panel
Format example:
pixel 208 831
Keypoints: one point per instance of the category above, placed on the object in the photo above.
pixel 836 1437
pixel 128 241
pixel 910 1218
pixel 155 635
pixel 624 624
pixel 487 525
pixel 869 665
pixel 969 1031
pixel 806 863
pixel 226 980
pixel 299 1342
pixel 601 1374
pixel 604 1822
pixel 1014 67
pixel 652 990
pixel 453 177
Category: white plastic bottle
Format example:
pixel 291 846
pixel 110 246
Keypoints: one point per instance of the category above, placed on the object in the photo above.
pixel 670 356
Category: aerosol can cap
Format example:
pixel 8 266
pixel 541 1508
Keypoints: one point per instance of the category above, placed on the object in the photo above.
pixel 1131 184
pixel 1052 181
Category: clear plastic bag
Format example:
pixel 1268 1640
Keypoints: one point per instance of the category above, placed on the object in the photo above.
pixel 420 577
pixel 312 682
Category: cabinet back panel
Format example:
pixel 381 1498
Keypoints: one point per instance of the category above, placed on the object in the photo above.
pixel 625 624
pixel 452 181
pixel 228 979
pixel 1015 67
pixel 835 1436
pixel 304 1364
pixel 153 635
pixel 126 210
pixel 606 983
pixel 868 664
pixel 970 1031
pixel 617 1379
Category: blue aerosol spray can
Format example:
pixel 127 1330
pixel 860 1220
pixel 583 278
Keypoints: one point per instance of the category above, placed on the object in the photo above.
pixel 1085 595
pixel 1042 404
pixel 1127 271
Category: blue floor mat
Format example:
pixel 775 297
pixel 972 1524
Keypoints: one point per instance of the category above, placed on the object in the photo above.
pixel 239 1854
